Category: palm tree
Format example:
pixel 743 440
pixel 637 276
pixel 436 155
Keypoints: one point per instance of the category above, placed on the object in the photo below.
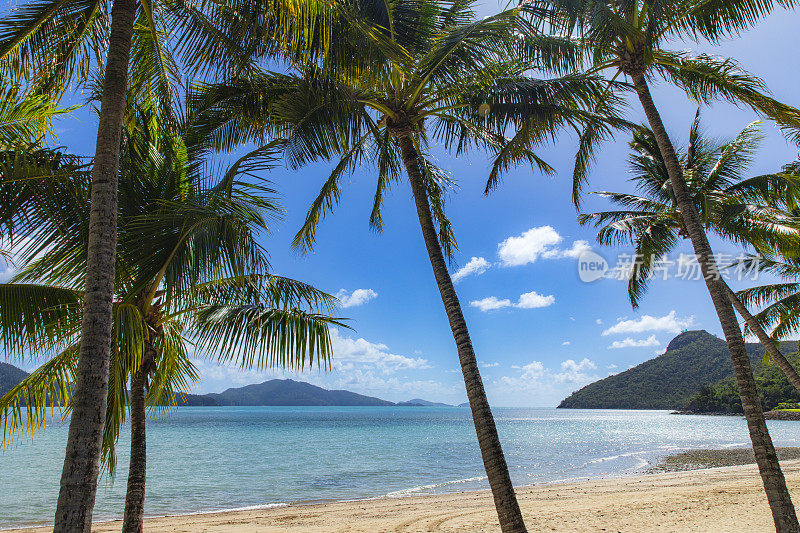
pixel 25 126
pixel 745 211
pixel 401 77
pixel 53 45
pixel 627 38
pixel 188 270
pixel 25 118
pixel 780 300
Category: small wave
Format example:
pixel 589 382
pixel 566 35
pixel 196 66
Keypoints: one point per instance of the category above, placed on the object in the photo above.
pixel 613 457
pixel 423 488
pixel 257 507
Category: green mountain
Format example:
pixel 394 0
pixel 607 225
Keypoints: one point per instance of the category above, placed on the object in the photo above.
pixel 9 377
pixel 723 396
pixel 692 359
pixel 273 392
pixel 283 392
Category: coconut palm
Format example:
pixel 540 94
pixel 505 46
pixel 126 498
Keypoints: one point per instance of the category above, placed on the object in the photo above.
pixel 25 128
pixel 629 38
pixel 742 210
pixel 403 77
pixel 25 118
pixel 780 310
pixel 54 45
pixel 189 270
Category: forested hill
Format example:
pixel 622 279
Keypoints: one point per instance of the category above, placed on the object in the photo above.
pixel 273 392
pixel 692 359
pixel 9 377
pixel 283 392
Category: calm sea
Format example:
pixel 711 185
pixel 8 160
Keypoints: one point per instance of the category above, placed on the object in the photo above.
pixel 207 458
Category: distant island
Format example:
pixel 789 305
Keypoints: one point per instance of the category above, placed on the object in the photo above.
pixel 282 392
pixel 276 392
pixel 694 374
pixel 418 402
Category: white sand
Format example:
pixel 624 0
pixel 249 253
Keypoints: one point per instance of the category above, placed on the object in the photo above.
pixel 716 500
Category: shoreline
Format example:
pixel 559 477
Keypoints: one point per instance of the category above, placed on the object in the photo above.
pixel 708 499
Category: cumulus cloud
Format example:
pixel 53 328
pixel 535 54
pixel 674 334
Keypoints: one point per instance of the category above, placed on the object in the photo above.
pixel 526 248
pixel 7 271
pixel 356 298
pixel 375 355
pixel 575 372
pixel 536 375
pixel 578 247
pixel 489 365
pixel 670 323
pixel 357 365
pixel 628 342
pixel 534 300
pixel 537 242
pixel 565 343
pixel 528 300
pixel 491 303
pixel 476 266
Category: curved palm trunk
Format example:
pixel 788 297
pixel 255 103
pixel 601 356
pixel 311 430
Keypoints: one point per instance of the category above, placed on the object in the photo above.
pixel 765 340
pixel 780 502
pixel 494 461
pixel 133 519
pixel 82 461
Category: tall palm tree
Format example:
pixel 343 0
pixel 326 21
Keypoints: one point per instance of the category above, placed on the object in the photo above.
pixel 745 211
pixel 403 76
pixel 53 45
pixel 779 300
pixel 628 38
pixel 188 270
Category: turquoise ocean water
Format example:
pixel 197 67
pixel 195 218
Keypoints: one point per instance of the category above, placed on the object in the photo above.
pixel 207 458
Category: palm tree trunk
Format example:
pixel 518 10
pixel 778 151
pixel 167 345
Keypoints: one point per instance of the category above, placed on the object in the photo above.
pixel 494 461
pixel 765 340
pixel 133 519
pixel 82 461
pixel 780 502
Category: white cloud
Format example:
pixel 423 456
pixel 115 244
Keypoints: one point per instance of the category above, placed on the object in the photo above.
pixel 528 300
pixel 8 271
pixel 534 375
pixel 356 298
pixel 534 300
pixel 628 342
pixel 572 372
pixel 489 365
pixel 537 242
pixel 612 366
pixel 491 303
pixel 476 266
pixel 598 321
pixel 526 248
pixel 670 323
pixel 578 247
pixel 374 355
pixel 565 343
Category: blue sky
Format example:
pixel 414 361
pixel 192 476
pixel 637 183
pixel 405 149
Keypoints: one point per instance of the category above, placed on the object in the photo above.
pixel 549 333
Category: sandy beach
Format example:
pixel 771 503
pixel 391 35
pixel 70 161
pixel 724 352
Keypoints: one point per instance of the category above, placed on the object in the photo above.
pixel 724 499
